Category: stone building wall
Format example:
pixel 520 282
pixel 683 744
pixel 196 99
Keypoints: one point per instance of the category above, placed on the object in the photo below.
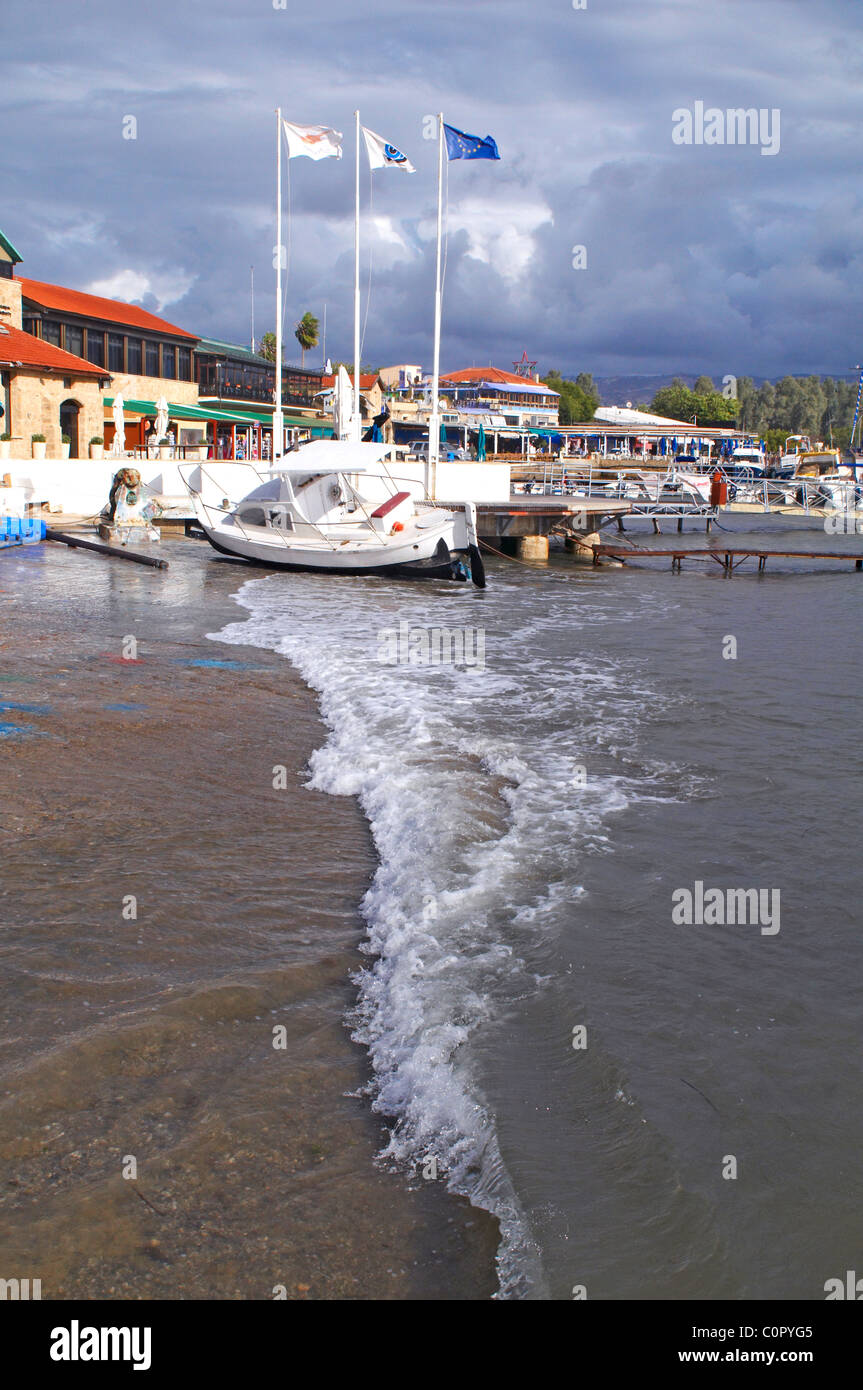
pixel 35 400
pixel 10 302
pixel 150 388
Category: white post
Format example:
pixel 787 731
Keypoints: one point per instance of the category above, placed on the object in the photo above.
pixel 278 417
pixel 356 432
pixel 434 419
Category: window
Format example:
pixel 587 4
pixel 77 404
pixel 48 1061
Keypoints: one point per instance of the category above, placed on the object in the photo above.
pixel 184 364
pixel 152 359
pixel 74 340
pixel 51 332
pixel 133 356
pixel 95 347
pixel 169 361
pixel 115 352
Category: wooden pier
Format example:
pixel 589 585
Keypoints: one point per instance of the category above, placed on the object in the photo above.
pixel 728 559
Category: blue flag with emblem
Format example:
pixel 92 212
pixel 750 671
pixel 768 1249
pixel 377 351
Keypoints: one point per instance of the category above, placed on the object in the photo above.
pixel 462 146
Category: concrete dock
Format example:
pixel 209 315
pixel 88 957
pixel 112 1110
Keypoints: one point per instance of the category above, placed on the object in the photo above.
pixel 522 525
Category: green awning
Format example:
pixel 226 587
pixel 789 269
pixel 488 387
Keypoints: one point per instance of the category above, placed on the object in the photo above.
pixel 175 411
pixel 229 417
pixel 258 417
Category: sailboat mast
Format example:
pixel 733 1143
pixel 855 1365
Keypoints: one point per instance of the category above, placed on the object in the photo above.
pixel 434 418
pixel 355 432
pixel 278 417
pixel 857 406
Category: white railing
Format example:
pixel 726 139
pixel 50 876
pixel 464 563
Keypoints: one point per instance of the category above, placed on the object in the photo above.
pixel 675 488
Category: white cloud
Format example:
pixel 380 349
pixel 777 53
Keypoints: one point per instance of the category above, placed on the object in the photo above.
pixel 133 286
pixel 386 231
pixel 504 241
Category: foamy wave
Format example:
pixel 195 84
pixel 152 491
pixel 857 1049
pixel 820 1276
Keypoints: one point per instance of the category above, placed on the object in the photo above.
pixel 466 777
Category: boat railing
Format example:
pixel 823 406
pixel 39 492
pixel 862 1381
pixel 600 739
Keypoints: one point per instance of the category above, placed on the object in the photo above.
pixel 284 537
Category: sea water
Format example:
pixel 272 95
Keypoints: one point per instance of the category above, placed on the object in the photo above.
pixel 651 1108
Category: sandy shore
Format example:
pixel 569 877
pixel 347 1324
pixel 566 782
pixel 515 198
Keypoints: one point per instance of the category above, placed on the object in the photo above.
pixel 151 1038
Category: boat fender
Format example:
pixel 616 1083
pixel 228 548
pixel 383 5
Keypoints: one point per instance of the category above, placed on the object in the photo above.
pixel 397 526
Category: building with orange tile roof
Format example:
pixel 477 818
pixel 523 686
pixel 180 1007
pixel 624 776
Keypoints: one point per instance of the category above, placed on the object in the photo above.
pixel 524 402
pixel 44 390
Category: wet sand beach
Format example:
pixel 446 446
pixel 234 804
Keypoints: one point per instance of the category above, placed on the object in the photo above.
pixel 138 1036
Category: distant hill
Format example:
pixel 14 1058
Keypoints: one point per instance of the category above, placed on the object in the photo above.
pixel 617 390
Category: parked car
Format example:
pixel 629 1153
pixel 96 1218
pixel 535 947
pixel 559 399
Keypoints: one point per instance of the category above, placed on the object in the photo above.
pixel 420 449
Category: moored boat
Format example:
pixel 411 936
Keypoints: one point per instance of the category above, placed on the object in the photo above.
pixel 334 506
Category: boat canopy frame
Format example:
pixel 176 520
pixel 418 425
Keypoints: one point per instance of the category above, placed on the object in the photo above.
pixel 266 476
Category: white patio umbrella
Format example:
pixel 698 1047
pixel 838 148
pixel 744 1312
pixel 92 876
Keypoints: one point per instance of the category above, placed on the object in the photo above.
pixel 160 429
pixel 119 445
pixel 343 404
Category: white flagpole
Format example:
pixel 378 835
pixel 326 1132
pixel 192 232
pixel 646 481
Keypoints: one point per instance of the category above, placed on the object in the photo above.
pixel 356 431
pixel 278 417
pixel 434 418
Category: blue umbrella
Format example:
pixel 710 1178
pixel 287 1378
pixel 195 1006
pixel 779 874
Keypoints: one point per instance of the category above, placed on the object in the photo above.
pixel 480 444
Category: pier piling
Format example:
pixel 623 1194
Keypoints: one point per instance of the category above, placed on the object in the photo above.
pixel 77 543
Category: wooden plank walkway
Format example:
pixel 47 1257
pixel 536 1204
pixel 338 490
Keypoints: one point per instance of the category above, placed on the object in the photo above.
pixel 729 559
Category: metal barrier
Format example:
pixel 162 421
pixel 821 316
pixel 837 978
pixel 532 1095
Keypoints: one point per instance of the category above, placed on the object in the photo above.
pixel 672 492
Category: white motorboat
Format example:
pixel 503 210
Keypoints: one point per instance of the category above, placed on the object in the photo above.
pixel 746 461
pixel 333 505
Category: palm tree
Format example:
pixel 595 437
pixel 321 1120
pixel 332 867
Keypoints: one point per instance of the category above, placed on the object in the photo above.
pixel 306 333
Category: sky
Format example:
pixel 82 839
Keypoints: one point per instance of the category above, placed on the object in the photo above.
pixel 716 258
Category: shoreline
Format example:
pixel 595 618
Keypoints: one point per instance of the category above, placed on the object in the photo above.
pixel 256 1167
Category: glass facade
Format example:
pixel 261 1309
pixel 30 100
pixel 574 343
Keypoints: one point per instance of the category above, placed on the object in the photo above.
pixel 115 352
pixel 112 348
pixel 247 379
pixel 96 347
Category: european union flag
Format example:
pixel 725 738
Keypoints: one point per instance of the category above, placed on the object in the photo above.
pixel 461 146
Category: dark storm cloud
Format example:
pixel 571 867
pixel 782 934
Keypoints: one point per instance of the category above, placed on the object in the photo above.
pixel 716 258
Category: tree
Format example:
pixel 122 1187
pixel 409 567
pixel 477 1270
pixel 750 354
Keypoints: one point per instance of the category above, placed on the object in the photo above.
pixel 366 369
pixel 674 401
pixel 306 333
pixel 576 403
pixel 747 403
pixel 707 407
pixel 268 347
pixel 775 440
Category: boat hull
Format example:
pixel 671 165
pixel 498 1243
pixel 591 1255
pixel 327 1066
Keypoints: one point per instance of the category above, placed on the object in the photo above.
pixel 443 563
